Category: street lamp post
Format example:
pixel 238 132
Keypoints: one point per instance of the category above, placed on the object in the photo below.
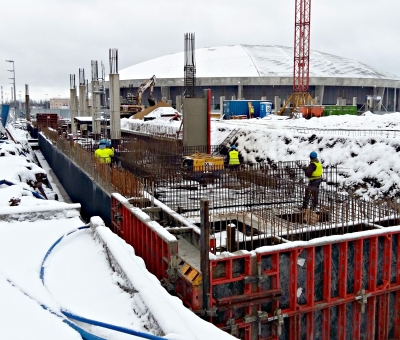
pixel 15 97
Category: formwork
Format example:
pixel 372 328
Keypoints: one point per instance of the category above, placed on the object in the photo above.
pixel 337 287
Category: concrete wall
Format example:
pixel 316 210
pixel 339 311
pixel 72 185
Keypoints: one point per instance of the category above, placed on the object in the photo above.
pixel 77 183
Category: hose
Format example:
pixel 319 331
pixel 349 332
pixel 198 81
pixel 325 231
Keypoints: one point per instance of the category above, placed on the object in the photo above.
pixel 113 327
pixel 84 334
pixel 34 193
pixel 90 321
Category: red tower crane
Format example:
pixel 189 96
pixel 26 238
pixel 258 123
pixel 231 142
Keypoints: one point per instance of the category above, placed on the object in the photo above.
pixel 301 66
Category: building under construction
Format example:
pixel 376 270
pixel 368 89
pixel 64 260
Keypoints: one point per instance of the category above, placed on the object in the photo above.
pixel 236 248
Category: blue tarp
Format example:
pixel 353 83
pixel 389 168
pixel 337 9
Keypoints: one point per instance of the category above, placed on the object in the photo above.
pixel 4 114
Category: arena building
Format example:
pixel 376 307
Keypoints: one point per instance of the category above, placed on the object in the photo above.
pixel 264 72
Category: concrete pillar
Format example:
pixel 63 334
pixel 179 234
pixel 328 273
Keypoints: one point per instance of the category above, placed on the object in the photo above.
pixel 319 92
pixel 339 101
pixel 96 109
pixel 169 102
pixel 277 104
pixel 221 106
pixel 165 93
pixel 74 109
pixel 82 101
pixel 115 116
pixel 164 99
pixel 264 98
pixel 355 101
pixel 27 105
pixel 380 93
pixel 344 102
pixel 240 91
pixel 179 103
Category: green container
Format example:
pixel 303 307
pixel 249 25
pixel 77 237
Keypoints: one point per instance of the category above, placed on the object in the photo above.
pixel 336 110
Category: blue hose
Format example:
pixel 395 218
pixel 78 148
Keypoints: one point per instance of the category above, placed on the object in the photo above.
pixel 89 321
pixel 114 328
pixel 34 193
pixel 84 334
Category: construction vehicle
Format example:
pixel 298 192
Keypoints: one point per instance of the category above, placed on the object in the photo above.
pixel 132 104
pixel 202 166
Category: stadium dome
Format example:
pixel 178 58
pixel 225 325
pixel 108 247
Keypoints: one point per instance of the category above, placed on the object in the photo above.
pixel 251 71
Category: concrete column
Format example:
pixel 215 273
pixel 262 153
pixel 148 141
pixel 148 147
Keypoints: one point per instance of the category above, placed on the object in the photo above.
pixel 339 101
pixel 277 104
pixel 115 116
pixel 355 101
pixel 221 106
pixel 165 92
pixel 164 99
pixel 82 101
pixel 240 91
pixel 264 98
pixel 344 102
pixel 380 93
pixel 96 109
pixel 74 109
pixel 319 92
pixel 179 103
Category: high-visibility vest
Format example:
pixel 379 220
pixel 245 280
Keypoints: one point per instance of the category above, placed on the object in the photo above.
pixel 103 155
pixel 317 174
pixel 234 157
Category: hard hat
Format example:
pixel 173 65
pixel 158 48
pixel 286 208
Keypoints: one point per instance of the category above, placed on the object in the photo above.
pixel 313 154
pixel 108 143
pixel 102 141
pixel 233 147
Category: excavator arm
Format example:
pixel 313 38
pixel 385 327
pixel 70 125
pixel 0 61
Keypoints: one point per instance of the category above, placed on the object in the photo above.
pixel 143 87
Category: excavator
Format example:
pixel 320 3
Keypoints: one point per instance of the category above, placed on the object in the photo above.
pixel 132 104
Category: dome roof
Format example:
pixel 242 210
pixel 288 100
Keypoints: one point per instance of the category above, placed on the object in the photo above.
pixel 251 61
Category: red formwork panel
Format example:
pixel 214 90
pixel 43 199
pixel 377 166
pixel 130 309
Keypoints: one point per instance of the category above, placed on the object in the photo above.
pixel 157 251
pixel 324 283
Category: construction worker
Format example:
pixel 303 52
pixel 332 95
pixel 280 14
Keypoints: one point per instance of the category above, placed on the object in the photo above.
pixel 251 112
pixel 110 150
pixel 102 153
pixel 314 173
pixel 234 158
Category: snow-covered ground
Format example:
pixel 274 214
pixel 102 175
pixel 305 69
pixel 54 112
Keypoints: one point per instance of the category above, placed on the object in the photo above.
pixel 37 286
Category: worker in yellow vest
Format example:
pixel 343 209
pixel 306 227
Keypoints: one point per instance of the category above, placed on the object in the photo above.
pixel 251 112
pixel 234 158
pixel 102 153
pixel 314 172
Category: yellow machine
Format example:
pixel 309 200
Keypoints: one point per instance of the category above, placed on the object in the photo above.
pixel 203 165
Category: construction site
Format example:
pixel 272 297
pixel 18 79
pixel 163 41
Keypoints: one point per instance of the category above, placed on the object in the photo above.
pixel 234 243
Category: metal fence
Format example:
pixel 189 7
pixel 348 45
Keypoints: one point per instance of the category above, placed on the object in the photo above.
pixel 348 132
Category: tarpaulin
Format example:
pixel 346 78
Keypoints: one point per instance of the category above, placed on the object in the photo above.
pixel 4 114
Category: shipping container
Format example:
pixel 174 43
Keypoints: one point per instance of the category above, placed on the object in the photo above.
pixel 336 110
pixel 309 111
pixel 47 120
pixel 241 107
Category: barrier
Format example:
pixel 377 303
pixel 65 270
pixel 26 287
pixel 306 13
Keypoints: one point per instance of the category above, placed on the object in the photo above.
pixel 152 242
pixel 328 288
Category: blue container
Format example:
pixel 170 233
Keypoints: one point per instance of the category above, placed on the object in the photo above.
pixel 265 108
pixel 241 108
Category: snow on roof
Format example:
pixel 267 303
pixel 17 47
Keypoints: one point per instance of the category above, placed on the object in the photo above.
pixel 251 61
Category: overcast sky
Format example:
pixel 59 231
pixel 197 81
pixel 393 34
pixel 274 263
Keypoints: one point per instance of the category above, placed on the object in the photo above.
pixel 51 39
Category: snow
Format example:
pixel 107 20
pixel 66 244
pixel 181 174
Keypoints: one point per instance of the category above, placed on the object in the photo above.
pixel 78 277
pixel 251 61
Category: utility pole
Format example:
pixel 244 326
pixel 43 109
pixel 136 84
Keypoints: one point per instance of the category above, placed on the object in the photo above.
pixel 15 97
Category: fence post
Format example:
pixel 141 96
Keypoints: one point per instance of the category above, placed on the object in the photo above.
pixel 204 251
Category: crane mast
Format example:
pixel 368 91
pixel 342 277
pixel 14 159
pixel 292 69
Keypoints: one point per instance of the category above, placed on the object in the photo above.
pixel 301 64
